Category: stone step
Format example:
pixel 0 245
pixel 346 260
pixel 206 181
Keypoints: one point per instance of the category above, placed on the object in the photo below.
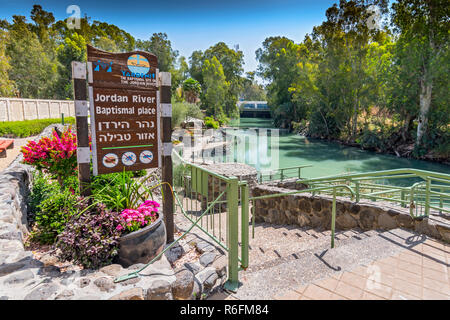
pixel 278 276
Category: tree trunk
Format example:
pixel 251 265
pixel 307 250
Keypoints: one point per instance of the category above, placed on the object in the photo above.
pixel 425 103
pixel 406 127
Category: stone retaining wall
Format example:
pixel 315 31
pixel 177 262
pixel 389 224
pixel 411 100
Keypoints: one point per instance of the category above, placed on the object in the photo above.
pixel 23 276
pixel 315 211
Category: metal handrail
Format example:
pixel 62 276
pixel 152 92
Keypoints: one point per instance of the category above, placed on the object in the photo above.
pixel 421 193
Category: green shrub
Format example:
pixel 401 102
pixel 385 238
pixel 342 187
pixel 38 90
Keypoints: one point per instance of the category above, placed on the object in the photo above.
pixel 90 237
pixel 27 128
pixel 211 123
pixel 42 188
pixel 182 110
pixel 52 216
pixel 120 191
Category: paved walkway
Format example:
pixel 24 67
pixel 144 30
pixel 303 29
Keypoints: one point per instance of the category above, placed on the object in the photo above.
pixel 418 273
pixel 11 154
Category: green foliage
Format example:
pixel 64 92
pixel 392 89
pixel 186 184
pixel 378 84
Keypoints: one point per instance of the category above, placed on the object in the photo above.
pixel 160 45
pixel 121 191
pixel 183 110
pixel 191 90
pixel 73 49
pixel 211 123
pixel 28 128
pixel 52 215
pixel 41 189
pixel 90 237
pixel 32 70
pixel 216 87
pixel 6 85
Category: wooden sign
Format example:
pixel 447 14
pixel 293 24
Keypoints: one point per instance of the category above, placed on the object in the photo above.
pixel 124 111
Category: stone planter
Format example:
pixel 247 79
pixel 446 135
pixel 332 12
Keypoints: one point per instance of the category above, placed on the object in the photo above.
pixel 142 245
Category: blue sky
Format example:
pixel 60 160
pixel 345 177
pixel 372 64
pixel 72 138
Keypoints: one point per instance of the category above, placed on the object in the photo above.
pixel 193 25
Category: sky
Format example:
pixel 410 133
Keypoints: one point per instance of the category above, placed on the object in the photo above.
pixel 194 25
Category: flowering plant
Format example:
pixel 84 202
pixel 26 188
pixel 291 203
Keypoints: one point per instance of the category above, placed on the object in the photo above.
pixel 134 219
pixel 55 155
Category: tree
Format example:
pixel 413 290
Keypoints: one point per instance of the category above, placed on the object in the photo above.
pixel 423 41
pixel 6 85
pixel 278 64
pixel 191 90
pixel 31 69
pixel 251 90
pixel 160 46
pixel 73 49
pixel 232 62
pixel 196 65
pixel 216 88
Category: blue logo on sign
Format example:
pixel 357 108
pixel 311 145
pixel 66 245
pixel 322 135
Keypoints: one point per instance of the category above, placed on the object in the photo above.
pixel 99 65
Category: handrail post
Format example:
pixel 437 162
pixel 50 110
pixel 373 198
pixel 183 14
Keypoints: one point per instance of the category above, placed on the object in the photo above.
pixel 402 197
pixel 281 175
pixel 233 234
pixel 441 202
pixel 427 197
pixel 244 225
pixel 333 217
pixel 357 190
pixel 299 169
pixel 411 203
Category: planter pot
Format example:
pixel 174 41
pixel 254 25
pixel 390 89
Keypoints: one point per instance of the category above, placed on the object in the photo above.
pixel 142 245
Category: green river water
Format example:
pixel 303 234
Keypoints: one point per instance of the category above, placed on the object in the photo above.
pixel 326 158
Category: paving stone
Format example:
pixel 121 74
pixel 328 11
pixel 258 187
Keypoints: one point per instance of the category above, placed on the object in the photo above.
pixel 19 277
pixel 130 294
pixel 194 267
pixel 174 253
pixel 207 277
pixel 8 268
pixel 104 284
pixel 203 247
pixel 220 264
pixel 83 282
pixel 207 258
pixel 88 297
pixel 65 295
pixel 159 290
pixel 42 292
pixel 184 284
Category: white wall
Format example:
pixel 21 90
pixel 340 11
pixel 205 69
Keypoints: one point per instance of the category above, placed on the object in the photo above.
pixel 17 109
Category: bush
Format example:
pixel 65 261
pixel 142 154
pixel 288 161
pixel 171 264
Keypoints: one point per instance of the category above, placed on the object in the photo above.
pixel 41 189
pixel 211 123
pixel 120 191
pixel 91 237
pixel 182 110
pixel 52 216
pixel 56 155
pixel 27 128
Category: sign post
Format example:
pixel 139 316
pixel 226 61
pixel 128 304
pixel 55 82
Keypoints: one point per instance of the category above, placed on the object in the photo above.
pixel 167 173
pixel 81 113
pixel 128 97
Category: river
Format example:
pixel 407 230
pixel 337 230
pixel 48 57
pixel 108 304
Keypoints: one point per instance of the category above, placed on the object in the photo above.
pixel 282 149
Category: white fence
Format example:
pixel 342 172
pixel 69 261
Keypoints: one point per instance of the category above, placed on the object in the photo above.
pixel 17 109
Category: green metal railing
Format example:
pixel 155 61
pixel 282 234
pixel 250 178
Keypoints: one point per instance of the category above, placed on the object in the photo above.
pixel 431 192
pixel 281 173
pixel 333 189
pixel 211 202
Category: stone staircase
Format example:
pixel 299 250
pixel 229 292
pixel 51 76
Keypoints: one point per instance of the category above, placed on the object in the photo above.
pixel 285 257
pixel 275 244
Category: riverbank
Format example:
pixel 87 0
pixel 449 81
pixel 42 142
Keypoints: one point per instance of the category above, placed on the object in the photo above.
pixel 404 150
